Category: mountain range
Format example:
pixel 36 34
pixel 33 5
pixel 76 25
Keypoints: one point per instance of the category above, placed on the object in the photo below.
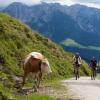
pixel 59 23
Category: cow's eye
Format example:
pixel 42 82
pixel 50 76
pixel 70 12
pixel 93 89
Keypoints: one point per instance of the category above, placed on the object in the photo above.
pixel 44 63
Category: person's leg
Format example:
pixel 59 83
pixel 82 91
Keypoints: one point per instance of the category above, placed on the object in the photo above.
pixel 75 69
pixel 91 74
pixel 78 71
pixel 95 73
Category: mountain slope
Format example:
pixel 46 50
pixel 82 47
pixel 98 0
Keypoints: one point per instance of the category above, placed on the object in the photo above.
pixel 72 43
pixel 49 19
pixel 58 22
pixel 43 18
pixel 88 18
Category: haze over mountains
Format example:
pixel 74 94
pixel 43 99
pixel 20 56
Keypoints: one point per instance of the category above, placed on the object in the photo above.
pixel 59 23
pixel 1 8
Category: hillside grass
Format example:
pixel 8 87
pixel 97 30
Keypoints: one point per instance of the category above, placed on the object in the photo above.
pixel 72 43
pixel 98 75
pixel 12 95
pixel 17 40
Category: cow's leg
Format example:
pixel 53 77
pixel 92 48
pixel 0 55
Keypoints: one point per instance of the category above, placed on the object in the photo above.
pixel 39 79
pixel 24 78
pixel 35 84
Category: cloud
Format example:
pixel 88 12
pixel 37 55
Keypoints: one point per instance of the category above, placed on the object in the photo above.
pixel 5 2
pixel 90 3
pixel 29 2
pixel 76 1
pixel 64 2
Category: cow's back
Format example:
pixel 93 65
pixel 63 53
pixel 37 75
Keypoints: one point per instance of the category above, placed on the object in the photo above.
pixel 32 62
pixel 36 55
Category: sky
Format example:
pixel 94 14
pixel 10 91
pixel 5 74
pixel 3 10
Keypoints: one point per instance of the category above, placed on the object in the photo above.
pixel 90 3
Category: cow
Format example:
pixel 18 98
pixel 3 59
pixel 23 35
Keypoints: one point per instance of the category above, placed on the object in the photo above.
pixel 37 64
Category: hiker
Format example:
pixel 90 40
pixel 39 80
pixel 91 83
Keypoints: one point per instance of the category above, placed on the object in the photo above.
pixel 76 63
pixel 93 66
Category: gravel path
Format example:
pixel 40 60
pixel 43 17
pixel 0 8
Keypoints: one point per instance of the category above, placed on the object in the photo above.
pixel 83 88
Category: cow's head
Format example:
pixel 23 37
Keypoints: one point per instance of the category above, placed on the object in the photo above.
pixel 45 66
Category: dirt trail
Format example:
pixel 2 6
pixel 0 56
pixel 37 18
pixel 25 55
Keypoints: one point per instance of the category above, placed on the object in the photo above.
pixel 83 89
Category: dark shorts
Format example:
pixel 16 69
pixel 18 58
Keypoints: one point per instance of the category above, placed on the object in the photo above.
pixel 93 69
pixel 77 65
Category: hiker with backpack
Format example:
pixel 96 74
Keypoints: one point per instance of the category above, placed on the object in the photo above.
pixel 93 66
pixel 77 63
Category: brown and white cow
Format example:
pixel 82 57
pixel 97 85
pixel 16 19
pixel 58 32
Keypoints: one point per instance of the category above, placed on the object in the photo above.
pixel 37 64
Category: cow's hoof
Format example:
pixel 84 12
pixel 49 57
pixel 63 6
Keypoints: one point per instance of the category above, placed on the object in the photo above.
pixel 38 87
pixel 35 90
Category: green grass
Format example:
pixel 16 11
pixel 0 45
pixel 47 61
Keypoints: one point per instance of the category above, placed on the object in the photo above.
pixel 9 93
pixel 72 43
pixel 98 75
pixel 38 97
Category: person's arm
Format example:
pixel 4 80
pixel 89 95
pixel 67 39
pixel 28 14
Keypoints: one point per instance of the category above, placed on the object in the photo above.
pixel 73 60
pixel 90 64
pixel 96 65
pixel 80 60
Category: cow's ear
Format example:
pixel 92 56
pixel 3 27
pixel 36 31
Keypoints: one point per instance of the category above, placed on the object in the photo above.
pixel 45 58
